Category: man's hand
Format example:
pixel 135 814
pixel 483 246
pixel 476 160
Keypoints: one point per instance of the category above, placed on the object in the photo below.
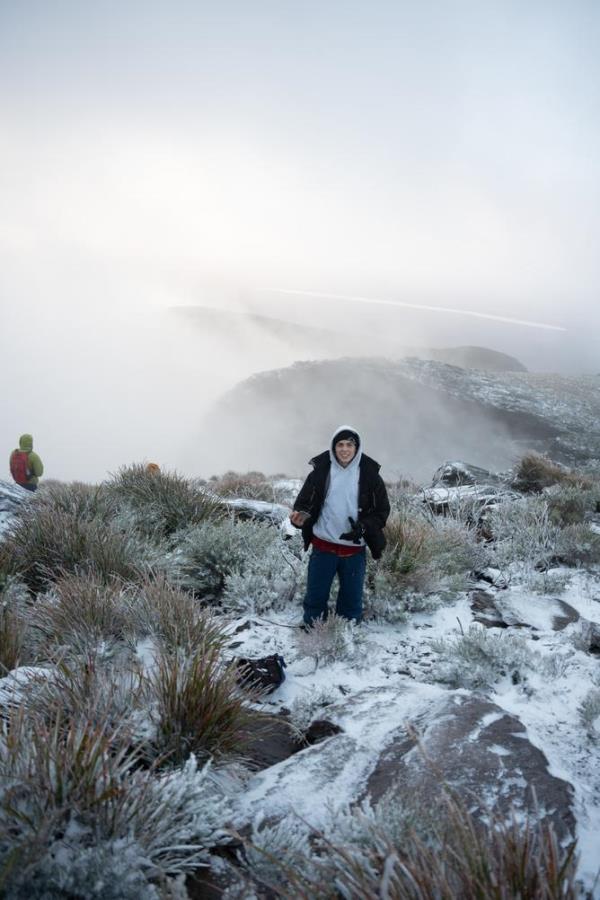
pixel 355 534
pixel 299 517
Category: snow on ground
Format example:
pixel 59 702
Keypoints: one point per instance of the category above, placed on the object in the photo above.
pixel 11 497
pixel 389 682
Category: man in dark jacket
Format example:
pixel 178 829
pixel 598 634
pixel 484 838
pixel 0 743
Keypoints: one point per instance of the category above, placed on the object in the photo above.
pixel 342 508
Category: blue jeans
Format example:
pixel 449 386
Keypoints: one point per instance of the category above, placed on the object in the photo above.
pixel 322 569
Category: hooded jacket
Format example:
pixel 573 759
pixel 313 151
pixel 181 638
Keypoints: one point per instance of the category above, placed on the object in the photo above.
pixel 36 467
pixel 373 503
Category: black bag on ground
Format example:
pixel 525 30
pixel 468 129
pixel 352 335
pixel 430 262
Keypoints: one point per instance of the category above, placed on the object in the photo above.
pixel 266 674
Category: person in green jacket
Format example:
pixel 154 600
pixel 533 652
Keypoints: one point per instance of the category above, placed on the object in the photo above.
pixel 25 465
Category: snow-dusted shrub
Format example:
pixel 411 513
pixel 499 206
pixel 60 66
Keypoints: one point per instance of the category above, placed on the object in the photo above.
pixel 309 706
pixel 555 665
pixel 252 485
pixel 547 582
pixel 577 545
pixel 334 639
pixel 264 581
pixel 198 705
pixel 523 532
pixel 173 617
pixel 207 555
pixel 160 503
pixel 589 712
pixel 568 504
pixel 535 472
pixel 44 543
pixel 80 611
pixel 77 816
pixel 423 557
pixel 481 657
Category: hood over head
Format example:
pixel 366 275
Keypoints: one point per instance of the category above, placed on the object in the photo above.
pixel 346 433
pixel 26 443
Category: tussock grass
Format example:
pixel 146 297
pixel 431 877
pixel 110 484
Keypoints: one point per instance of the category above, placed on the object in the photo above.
pixel 457 857
pixel 14 626
pixel 80 611
pixel 83 501
pixel 90 689
pixel 523 532
pixel 200 708
pixel 162 502
pixel 79 818
pixel 208 554
pixel 173 617
pixel 577 545
pixel 45 543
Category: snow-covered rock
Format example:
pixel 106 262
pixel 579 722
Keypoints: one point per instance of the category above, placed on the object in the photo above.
pixel 474 747
pixel 11 498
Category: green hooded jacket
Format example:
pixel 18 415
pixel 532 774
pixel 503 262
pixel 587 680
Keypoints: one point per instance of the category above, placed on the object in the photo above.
pixel 36 466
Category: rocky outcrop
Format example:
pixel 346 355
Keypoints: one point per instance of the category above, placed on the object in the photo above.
pixel 459 486
pixel 521 611
pixel 470 745
pixel 11 498
pixel 411 742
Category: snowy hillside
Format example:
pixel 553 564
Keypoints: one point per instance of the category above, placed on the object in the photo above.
pixel 412 413
pixel 127 604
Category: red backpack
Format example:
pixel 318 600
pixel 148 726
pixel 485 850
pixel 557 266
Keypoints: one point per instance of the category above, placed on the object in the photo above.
pixel 19 466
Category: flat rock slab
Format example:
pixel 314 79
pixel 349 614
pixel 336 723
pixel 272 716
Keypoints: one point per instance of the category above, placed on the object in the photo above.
pixel 473 746
pixel 485 611
pixel 539 612
pixel 274 742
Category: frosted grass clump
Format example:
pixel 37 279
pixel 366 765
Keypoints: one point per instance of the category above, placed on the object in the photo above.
pixel 276 850
pixel 160 503
pixel 480 658
pixel 332 640
pixel 306 708
pixel 554 583
pixel 578 545
pixel 172 617
pixel 80 611
pixel 523 532
pixel 103 870
pixel 589 712
pixel 425 557
pixel 72 794
pixel 16 645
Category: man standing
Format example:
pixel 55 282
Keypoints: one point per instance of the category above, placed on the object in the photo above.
pixel 342 508
pixel 25 465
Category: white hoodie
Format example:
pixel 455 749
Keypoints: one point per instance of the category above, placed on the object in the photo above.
pixel 341 499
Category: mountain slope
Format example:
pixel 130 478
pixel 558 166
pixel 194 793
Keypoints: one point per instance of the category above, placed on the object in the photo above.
pixel 413 414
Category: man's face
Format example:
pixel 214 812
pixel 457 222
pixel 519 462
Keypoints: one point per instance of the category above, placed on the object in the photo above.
pixel 345 451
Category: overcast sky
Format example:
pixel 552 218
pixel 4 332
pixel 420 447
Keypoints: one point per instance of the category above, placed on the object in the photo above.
pixel 158 154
